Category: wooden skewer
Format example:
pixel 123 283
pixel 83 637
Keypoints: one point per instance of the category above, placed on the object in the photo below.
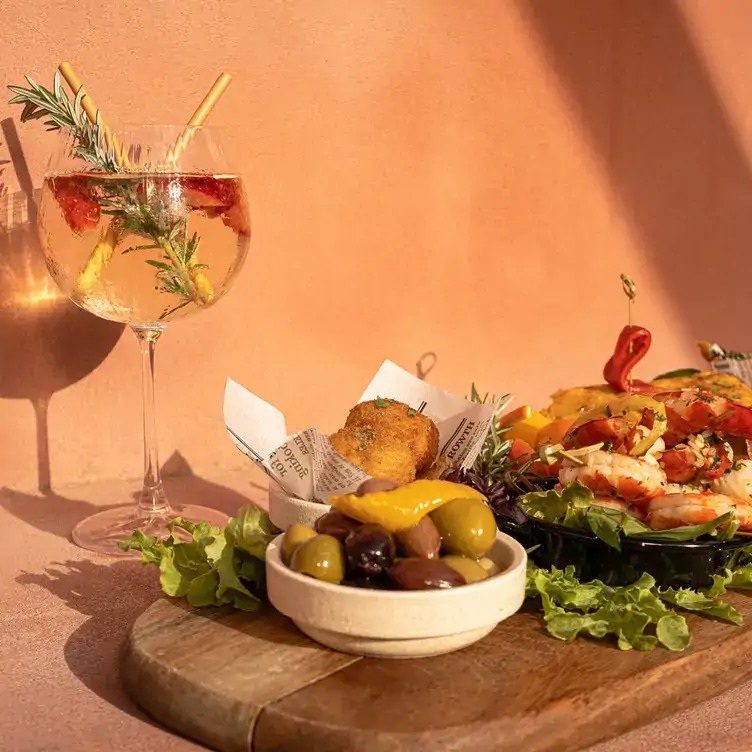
pixel 91 110
pixel 199 116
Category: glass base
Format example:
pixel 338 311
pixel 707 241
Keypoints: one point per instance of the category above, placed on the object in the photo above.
pixel 102 532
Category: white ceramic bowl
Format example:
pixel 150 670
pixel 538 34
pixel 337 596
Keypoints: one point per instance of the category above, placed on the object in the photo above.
pixel 399 624
pixel 286 510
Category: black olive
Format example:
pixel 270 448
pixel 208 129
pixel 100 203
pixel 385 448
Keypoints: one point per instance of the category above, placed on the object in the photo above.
pixel 370 551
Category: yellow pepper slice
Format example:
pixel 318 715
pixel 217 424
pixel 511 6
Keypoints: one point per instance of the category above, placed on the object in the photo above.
pixel 525 424
pixel 404 506
pixel 95 264
pixel 630 407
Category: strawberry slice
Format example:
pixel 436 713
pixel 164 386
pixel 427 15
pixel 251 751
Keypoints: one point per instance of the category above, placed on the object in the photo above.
pixel 206 191
pixel 236 218
pixel 221 197
pixel 80 210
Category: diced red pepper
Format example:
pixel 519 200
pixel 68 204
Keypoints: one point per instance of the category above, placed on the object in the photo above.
pixel 631 348
pixel 522 451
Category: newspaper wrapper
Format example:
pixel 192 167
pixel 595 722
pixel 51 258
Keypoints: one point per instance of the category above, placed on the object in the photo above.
pixel 307 466
pixel 722 361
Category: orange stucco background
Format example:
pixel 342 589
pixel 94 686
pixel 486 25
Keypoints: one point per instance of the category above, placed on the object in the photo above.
pixel 461 178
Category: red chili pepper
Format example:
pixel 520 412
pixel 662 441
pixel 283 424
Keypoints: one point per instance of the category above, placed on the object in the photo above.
pixel 631 347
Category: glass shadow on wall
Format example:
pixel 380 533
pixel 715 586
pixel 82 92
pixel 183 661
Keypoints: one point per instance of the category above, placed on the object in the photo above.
pixel 658 125
pixel 46 342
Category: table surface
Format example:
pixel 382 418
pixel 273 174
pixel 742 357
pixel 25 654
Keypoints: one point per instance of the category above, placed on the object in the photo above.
pixel 65 613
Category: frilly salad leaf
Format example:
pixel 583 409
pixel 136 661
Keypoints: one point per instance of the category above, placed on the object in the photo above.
pixel 215 567
pixel 634 614
pixel 639 616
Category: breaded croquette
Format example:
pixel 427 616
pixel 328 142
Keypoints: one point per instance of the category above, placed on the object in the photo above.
pixel 379 457
pixel 388 439
pixel 397 423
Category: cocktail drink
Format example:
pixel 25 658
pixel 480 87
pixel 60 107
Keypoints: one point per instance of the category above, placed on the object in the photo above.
pixel 143 249
pixel 141 228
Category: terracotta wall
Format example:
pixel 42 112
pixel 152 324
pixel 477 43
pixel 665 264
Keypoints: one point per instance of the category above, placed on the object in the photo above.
pixel 462 178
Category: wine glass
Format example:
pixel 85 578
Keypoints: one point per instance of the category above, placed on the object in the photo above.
pixel 156 235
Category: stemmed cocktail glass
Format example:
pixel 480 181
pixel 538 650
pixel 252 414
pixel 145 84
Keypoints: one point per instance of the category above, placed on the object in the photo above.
pixel 142 228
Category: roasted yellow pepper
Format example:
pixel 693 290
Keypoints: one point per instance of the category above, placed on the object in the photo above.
pixel 525 424
pixel 404 506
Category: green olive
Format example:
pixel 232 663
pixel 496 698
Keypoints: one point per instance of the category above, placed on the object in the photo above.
pixel 320 557
pixel 293 537
pixel 489 565
pixel 468 568
pixel 467 527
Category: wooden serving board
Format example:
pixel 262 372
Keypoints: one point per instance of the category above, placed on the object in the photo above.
pixel 239 681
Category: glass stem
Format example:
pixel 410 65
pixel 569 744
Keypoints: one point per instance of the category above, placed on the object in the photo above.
pixel 152 500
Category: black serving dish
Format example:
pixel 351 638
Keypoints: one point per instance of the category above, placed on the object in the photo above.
pixel 689 564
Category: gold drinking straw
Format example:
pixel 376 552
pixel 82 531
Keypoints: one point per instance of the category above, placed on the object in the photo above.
pixel 72 79
pixel 202 284
pixel 198 117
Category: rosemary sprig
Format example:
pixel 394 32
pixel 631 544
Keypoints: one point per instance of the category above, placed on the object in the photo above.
pixel 167 229
pixel 494 464
pixel 89 142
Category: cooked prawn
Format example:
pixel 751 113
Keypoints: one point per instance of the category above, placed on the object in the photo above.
pixel 676 510
pixel 691 411
pixel 633 479
pixel 611 502
pixel 698 458
pixel 736 482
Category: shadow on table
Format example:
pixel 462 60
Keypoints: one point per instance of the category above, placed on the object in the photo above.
pixel 114 592
pixel 113 595
pixel 57 514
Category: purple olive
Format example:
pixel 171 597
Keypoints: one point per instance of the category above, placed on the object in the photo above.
pixel 336 524
pixel 370 551
pixel 425 574
pixel 421 540
pixel 375 485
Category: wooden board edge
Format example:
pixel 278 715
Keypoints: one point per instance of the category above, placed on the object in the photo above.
pixel 221 724
pixel 571 724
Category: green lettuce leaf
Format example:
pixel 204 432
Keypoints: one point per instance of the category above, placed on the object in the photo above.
pixel 605 525
pixel 635 615
pixel 672 631
pixel 739 577
pixel 215 567
pixel 150 547
pixel 203 590
pixel 549 506
pixel 251 531
pixel 690 532
pixel 677 373
pixel 693 600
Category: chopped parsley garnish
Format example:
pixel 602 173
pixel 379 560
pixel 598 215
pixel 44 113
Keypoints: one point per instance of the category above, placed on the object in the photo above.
pixel 660 417
pixel 381 402
pixel 362 448
pixel 411 411
pixel 608 446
